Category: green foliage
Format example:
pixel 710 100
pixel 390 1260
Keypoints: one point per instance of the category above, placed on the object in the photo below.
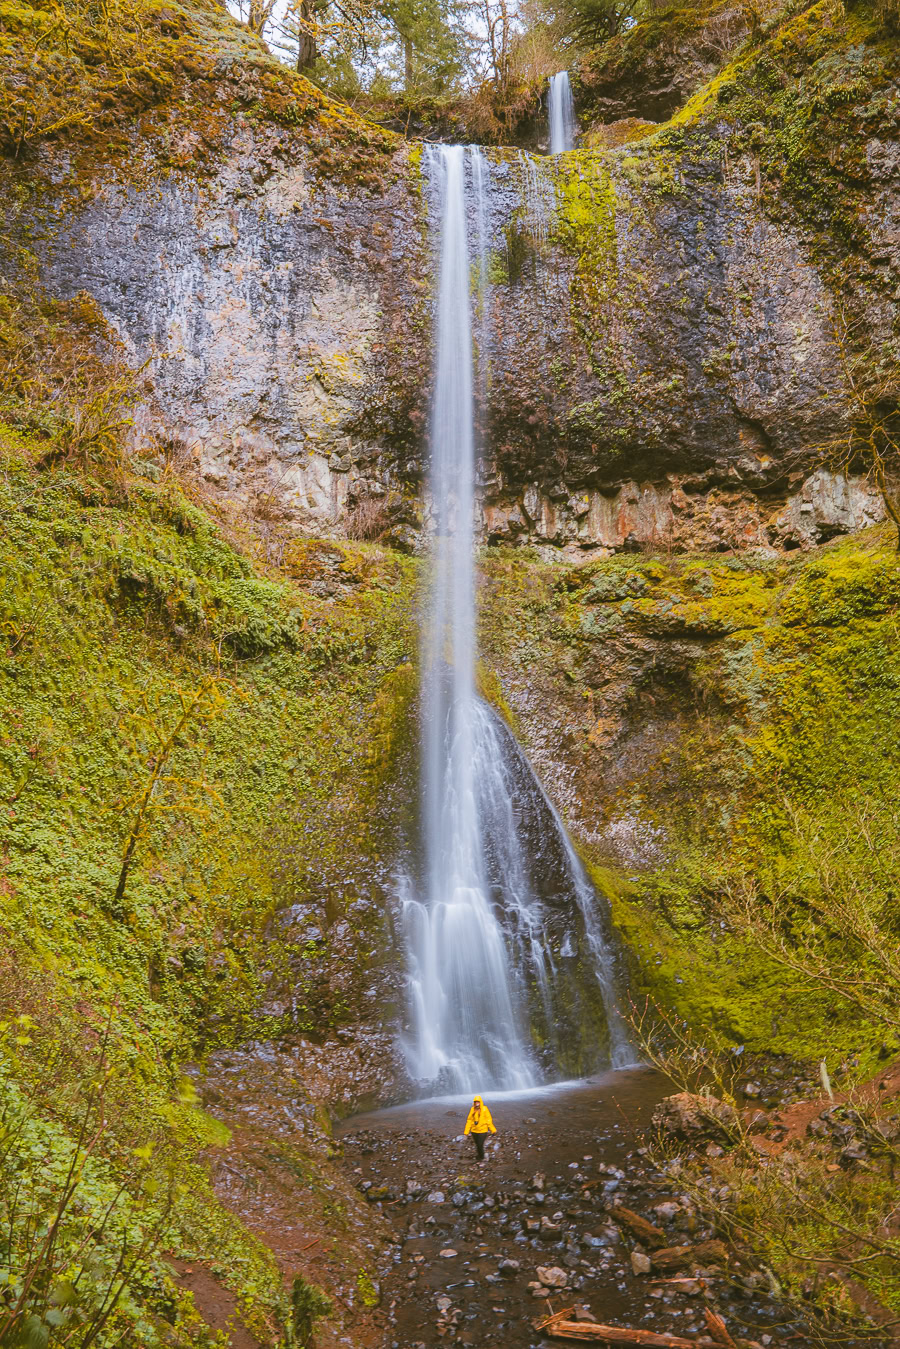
pixel 593 21
pixel 777 781
pixel 120 603
pixel 88 1199
pixel 308 1305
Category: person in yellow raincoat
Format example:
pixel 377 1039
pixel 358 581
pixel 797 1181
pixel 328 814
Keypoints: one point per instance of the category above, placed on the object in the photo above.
pixel 479 1125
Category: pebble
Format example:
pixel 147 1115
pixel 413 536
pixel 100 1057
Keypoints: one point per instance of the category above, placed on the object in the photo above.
pixel 436 1197
pixel 640 1263
pixel 448 1252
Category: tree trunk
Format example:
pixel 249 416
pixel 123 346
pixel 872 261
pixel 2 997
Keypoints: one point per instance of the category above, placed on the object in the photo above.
pixel 407 64
pixel 307 48
pixel 258 16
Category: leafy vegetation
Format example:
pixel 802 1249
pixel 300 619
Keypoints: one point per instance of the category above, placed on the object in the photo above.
pixel 791 703
pixel 160 698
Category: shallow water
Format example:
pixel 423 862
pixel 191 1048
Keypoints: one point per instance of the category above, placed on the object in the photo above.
pixel 582 1143
pixel 563 1131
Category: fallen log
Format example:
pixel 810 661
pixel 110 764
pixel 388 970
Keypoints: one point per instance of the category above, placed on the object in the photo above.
pixel 642 1229
pixel 677 1257
pixel 558 1329
pixel 718 1330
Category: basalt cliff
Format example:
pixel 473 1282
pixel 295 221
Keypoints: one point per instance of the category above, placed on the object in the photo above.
pixel 664 319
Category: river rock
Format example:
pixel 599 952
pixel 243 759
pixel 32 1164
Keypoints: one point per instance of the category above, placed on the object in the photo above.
pixel 551 1276
pixel 508 1268
pixel 667 1210
pixel 640 1263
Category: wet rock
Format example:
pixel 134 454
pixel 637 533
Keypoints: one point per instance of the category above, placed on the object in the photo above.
pixel 854 1152
pixel 551 1276
pixel 640 1263
pixel 694 1117
pixel 582 1313
pixel 667 1210
pixel 448 1253
pixel 436 1197
pixel 508 1269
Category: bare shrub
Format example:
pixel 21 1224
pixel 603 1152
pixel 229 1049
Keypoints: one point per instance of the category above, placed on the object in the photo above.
pixel 871 445
pixel 371 518
pixel 63 378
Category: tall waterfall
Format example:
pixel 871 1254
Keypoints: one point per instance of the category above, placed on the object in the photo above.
pixel 483 919
pixel 562 113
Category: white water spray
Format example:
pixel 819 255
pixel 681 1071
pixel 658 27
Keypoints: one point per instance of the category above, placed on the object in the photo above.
pixel 497 862
pixel 562 113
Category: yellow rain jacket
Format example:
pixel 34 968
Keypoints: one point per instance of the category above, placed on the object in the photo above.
pixel 479 1121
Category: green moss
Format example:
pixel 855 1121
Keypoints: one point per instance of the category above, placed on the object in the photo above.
pixel 778 731
pixel 369 1295
pixel 712 979
pixel 585 225
pixel 116 600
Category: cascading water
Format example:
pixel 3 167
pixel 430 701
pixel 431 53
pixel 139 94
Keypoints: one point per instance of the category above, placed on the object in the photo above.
pixel 562 113
pixel 467 1023
pixel 500 880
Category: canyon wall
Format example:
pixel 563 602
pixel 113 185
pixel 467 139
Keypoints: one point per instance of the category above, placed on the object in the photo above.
pixel 662 320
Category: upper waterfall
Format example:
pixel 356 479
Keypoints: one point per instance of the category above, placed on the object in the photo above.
pixel 486 947
pixel 562 113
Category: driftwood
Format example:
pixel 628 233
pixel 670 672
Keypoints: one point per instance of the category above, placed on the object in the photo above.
pixel 560 1329
pixel 718 1330
pixel 677 1257
pixel 642 1229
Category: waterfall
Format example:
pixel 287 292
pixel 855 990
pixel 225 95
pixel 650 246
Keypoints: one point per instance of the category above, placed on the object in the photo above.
pixel 562 113
pixel 499 876
pixel 469 1030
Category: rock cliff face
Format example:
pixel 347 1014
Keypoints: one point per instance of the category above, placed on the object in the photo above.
pixel 269 311
pixel 659 332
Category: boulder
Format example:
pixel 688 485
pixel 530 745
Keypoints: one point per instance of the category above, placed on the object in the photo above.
pixel 551 1276
pixel 695 1117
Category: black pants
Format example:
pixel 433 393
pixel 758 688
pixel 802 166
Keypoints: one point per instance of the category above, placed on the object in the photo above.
pixel 479 1145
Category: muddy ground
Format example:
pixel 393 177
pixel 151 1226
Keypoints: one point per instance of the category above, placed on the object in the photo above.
pixel 482 1249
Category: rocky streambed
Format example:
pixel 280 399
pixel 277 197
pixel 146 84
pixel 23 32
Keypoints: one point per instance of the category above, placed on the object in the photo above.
pixel 569 1209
